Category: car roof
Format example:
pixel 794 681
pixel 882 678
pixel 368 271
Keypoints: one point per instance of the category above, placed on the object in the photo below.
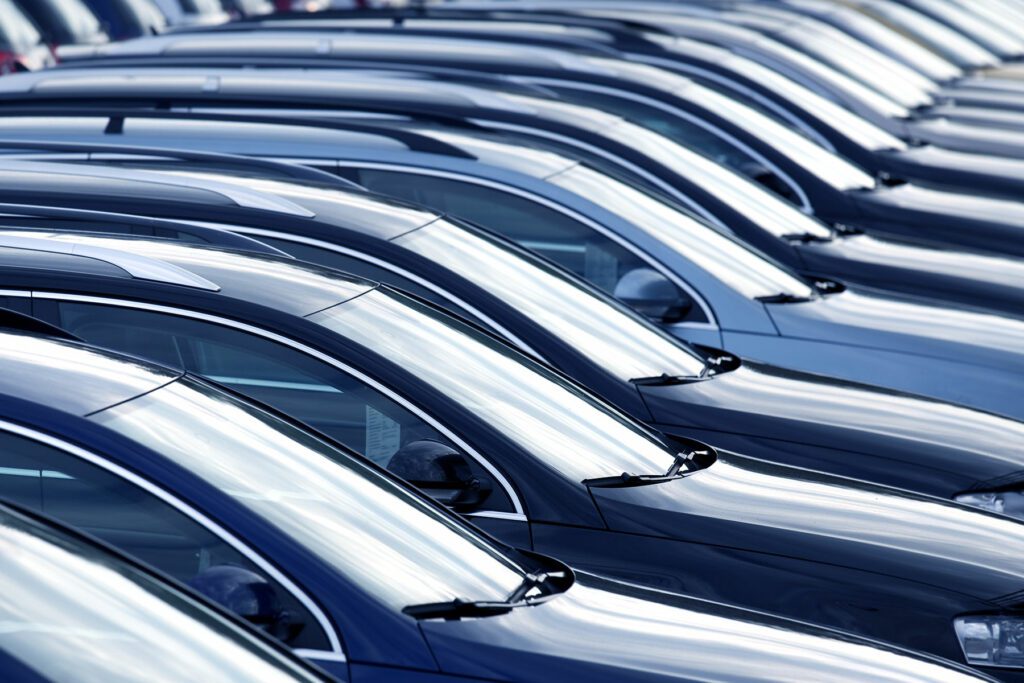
pixel 70 376
pixel 280 283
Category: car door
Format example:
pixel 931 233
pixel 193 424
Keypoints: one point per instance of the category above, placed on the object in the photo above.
pixel 350 409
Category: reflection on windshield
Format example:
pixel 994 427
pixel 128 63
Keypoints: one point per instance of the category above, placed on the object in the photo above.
pixel 617 341
pixel 827 166
pixel 729 261
pixel 381 537
pixel 564 426
pixel 761 206
pixel 72 613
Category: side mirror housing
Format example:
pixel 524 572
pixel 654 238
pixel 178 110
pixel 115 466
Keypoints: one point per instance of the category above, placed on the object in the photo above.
pixel 441 472
pixel 248 595
pixel 653 295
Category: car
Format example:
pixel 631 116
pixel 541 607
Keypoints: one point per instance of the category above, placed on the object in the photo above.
pixel 83 611
pixel 789 327
pixel 545 312
pixel 349 566
pixel 737 136
pixel 65 22
pixel 21 44
pixel 126 19
pixel 526 453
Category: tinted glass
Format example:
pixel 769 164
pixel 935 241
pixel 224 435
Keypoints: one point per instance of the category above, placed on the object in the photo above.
pixel 390 542
pixel 560 423
pixel 562 239
pixel 322 396
pixel 17 33
pixel 72 613
pixel 621 343
pixel 87 497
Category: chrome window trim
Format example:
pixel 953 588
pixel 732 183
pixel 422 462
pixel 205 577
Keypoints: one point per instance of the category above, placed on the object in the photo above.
pixel 286 237
pixel 335 654
pixel 558 208
pixel 633 168
pixel 227 322
pixel 795 120
pixel 805 204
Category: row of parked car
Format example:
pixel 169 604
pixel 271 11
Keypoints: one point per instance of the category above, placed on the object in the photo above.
pixel 520 341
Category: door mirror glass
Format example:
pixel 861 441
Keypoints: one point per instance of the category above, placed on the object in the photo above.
pixel 441 472
pixel 653 295
pixel 250 596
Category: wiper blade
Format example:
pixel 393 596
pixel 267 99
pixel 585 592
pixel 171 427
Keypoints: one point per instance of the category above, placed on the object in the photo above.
pixel 808 238
pixel 665 380
pixel 683 465
pixel 459 609
pixel 783 298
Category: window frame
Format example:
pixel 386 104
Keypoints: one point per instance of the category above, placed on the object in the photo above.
pixel 518 514
pixel 335 654
pixel 711 324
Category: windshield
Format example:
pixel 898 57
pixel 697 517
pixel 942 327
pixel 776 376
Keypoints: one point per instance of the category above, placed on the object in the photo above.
pixel 610 336
pixel 729 261
pixel 858 130
pixel 934 34
pixel 560 423
pixel 383 538
pixel 759 205
pixel 826 165
pixel 74 613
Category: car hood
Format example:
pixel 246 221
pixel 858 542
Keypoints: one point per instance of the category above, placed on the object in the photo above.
pixel 968 136
pixel 935 331
pixel 600 630
pixel 918 443
pixel 757 506
pixel 948 217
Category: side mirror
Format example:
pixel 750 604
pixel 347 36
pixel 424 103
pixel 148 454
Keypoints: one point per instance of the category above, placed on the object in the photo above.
pixel 248 595
pixel 653 295
pixel 441 472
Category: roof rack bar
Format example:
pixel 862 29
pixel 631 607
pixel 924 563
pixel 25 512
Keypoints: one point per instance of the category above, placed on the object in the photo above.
pixel 138 266
pixel 290 170
pixel 415 141
pixel 217 237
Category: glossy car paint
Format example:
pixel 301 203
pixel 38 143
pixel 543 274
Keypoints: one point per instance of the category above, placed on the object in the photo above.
pixel 928 574
pixel 644 634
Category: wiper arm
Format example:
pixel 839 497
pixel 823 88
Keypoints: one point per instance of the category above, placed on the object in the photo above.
pixel 459 609
pixel 683 465
pixel 665 380
pixel 783 298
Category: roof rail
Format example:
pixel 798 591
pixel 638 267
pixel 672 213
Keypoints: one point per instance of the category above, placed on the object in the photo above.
pixel 238 195
pixel 416 142
pixel 291 170
pixel 139 267
pixel 14 321
pixel 216 237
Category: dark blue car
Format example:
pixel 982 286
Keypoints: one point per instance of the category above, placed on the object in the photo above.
pixel 79 611
pixel 529 455
pixel 350 567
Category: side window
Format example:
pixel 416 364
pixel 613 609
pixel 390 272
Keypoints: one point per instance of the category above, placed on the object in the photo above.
pixel 322 396
pixel 573 245
pixel 89 498
pixel 20 304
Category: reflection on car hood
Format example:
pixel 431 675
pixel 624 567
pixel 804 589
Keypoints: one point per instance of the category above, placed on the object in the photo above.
pixel 913 434
pixel 759 506
pixel 606 631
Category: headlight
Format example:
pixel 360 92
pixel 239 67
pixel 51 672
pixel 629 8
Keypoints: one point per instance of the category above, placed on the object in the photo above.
pixel 1004 502
pixel 992 640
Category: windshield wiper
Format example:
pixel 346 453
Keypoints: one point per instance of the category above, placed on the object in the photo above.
pixel 683 465
pixel 666 380
pixel 456 609
pixel 783 298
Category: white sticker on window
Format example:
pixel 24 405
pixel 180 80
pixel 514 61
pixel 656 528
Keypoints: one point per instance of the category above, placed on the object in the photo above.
pixel 600 267
pixel 383 436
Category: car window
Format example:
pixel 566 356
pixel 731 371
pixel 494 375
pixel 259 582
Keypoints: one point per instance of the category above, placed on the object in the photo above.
pixel 329 400
pixel 85 496
pixel 17 33
pixel 571 244
pixel 73 612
